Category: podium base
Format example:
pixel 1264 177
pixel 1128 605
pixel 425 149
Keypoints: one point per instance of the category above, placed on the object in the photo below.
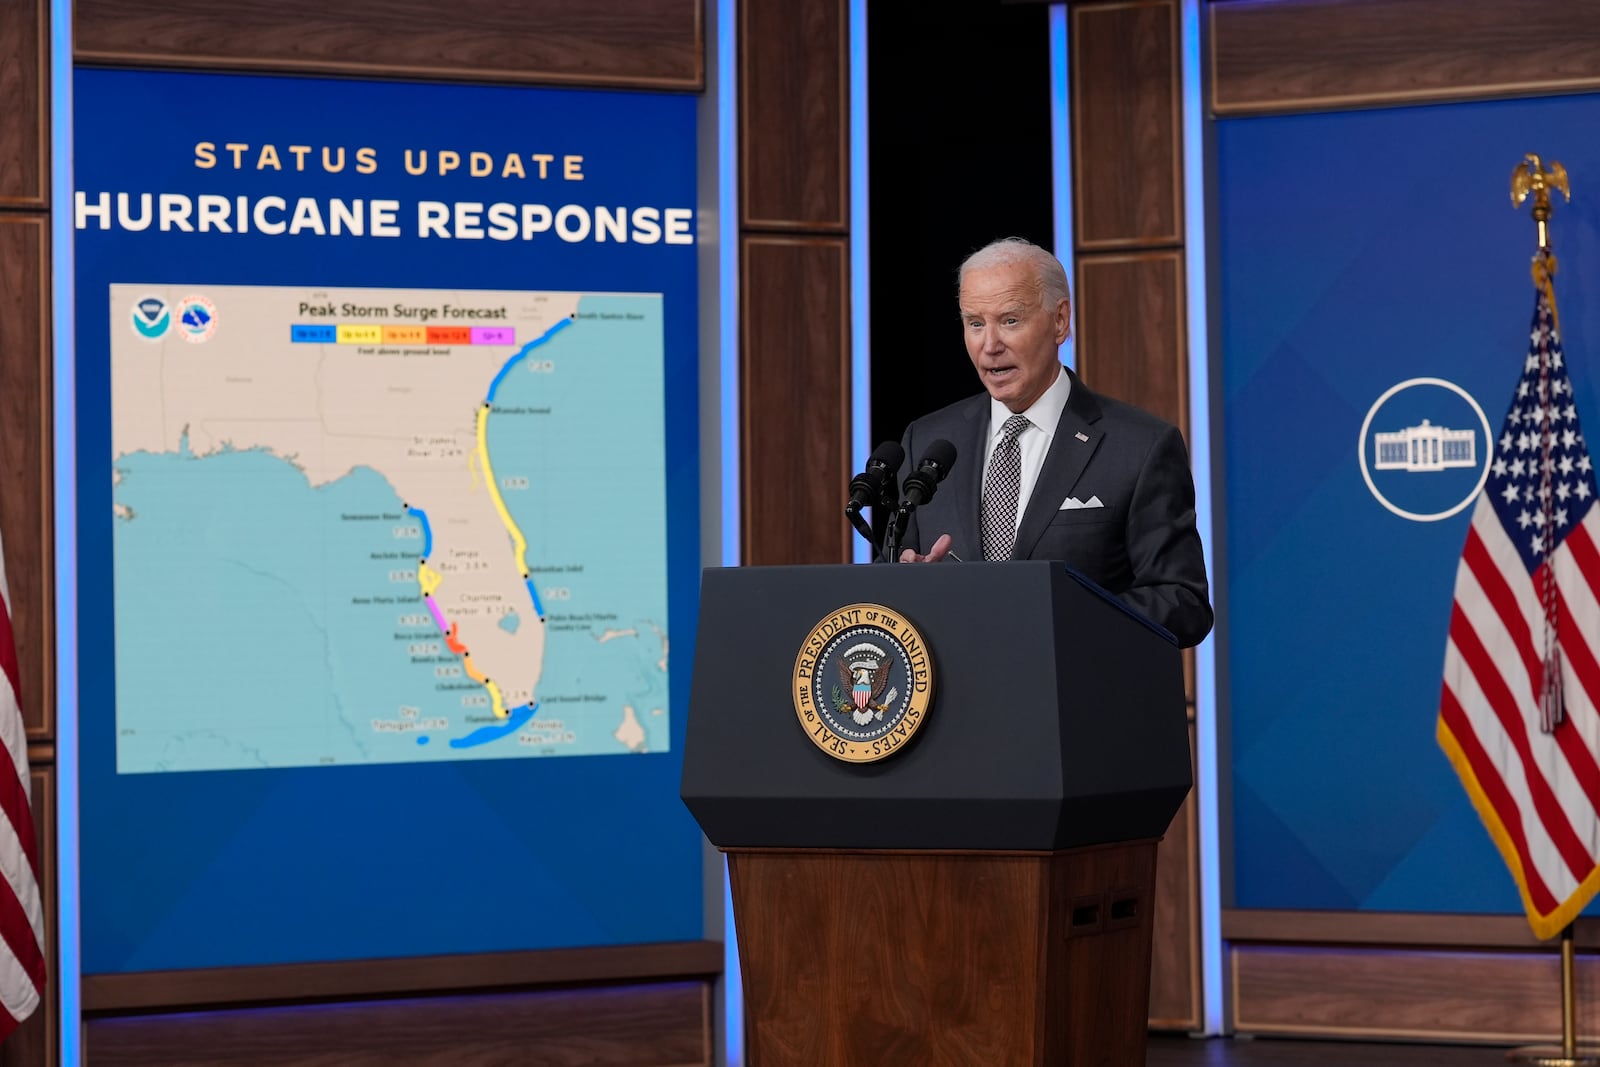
pixel 861 959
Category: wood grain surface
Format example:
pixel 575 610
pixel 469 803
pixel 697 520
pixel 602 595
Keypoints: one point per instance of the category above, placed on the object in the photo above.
pixel 25 97
pixel 287 983
pixel 1175 936
pixel 1440 995
pixel 795 380
pixel 793 116
pixel 1133 330
pixel 944 959
pixel 1270 56
pixel 626 1026
pixel 26 499
pixel 1127 148
pixel 657 44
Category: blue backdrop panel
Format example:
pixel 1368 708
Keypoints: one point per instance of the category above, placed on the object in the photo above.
pixel 1360 251
pixel 209 869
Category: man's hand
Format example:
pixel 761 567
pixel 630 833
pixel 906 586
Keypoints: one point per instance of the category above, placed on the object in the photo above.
pixel 940 549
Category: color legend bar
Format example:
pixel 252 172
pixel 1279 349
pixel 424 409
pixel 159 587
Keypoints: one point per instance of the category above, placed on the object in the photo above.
pixel 376 334
pixel 360 335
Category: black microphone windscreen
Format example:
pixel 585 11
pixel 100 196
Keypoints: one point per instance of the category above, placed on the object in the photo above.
pixel 890 454
pixel 940 454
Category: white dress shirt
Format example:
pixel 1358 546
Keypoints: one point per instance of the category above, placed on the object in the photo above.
pixel 1034 441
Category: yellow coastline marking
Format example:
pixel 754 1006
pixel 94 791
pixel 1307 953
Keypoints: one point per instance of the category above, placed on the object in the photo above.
pixel 428 579
pixel 494 690
pixel 494 490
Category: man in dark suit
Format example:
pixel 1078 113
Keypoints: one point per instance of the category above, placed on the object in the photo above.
pixel 1045 468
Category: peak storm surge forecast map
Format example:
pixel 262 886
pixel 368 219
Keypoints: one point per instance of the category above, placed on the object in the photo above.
pixel 381 525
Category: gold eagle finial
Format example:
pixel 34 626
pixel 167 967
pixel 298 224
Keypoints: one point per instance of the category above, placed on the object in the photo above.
pixel 1531 176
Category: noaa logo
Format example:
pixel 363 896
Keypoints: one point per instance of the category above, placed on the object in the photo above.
pixel 151 318
pixel 197 319
pixel 1425 448
pixel 862 683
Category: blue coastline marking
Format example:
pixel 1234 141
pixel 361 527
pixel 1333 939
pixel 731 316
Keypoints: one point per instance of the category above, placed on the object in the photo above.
pixel 427 531
pixel 522 352
pixel 484 734
pixel 538 608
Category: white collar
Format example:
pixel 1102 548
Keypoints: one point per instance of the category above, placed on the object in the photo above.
pixel 1044 413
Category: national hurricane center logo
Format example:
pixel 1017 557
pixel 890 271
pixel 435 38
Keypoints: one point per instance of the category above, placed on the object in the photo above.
pixel 1425 448
pixel 862 683
pixel 151 318
pixel 197 319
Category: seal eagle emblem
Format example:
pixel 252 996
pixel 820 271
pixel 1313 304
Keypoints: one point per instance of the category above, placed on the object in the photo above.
pixel 861 668
pixel 863 682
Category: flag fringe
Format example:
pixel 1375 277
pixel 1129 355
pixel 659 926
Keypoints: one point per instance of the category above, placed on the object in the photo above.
pixel 1545 927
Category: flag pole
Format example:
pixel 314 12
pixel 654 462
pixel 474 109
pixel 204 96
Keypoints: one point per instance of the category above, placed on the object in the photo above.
pixel 1531 177
pixel 1568 1054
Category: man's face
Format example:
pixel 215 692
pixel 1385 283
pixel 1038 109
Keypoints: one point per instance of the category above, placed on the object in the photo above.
pixel 1012 338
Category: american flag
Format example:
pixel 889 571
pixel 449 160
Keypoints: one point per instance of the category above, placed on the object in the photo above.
pixel 1519 714
pixel 21 916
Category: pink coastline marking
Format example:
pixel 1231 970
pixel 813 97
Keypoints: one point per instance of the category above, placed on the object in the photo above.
pixel 438 618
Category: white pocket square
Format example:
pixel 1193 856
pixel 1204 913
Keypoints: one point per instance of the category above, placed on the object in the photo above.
pixel 1073 502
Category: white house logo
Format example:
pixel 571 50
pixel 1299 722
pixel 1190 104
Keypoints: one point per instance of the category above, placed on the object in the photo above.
pixel 151 318
pixel 197 319
pixel 1424 449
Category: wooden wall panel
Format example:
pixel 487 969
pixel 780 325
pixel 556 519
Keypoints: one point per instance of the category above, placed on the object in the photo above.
pixel 1297 55
pixel 26 501
pixel 1411 929
pixel 25 451
pixel 793 115
pixel 1436 995
pixel 25 96
pixel 34 1043
pixel 1132 331
pixel 796 399
pixel 650 1026
pixel 343 979
pixel 1175 941
pixel 656 44
pixel 1127 147
pixel 1127 181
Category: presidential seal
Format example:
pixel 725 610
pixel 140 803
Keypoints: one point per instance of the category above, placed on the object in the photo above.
pixel 862 683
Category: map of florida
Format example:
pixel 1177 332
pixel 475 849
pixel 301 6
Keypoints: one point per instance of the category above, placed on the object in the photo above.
pixel 419 415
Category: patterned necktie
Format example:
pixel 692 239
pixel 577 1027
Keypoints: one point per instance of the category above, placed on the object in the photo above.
pixel 1001 487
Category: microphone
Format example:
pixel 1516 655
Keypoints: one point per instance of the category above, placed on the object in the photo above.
pixel 936 463
pixel 869 486
pixel 877 484
pixel 919 489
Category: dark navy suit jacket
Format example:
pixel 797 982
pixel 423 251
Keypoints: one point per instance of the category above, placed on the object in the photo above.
pixel 1140 545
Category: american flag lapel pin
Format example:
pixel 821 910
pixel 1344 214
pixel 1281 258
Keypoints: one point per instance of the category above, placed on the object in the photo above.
pixel 1080 435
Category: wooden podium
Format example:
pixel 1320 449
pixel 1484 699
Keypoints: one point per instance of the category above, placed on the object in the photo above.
pixel 982 895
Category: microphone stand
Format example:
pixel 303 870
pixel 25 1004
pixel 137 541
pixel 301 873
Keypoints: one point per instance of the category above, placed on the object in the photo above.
pixel 896 529
pixel 853 513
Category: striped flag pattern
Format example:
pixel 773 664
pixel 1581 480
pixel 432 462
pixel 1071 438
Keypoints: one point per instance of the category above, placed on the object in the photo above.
pixel 22 939
pixel 1518 714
